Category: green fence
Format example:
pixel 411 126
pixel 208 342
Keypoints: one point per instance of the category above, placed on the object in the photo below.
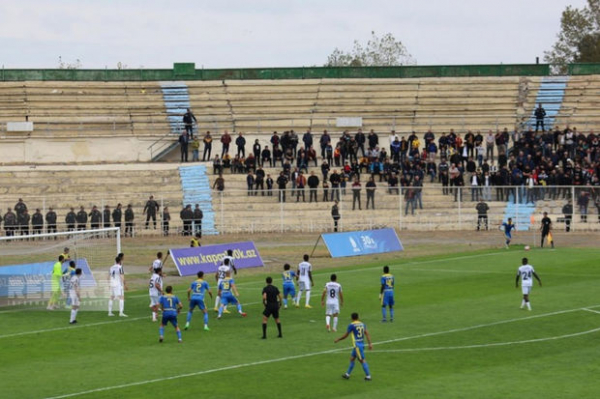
pixel 187 71
pixel 584 69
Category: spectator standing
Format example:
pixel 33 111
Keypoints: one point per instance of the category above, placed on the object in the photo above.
pixel 225 141
pixel 95 218
pixel 81 218
pixel 23 220
pixel 335 214
pixel 540 114
pixel 166 219
pixel 10 223
pixel 150 210
pixel 71 219
pixel 117 215
pixel 198 215
pixel 300 184
pixel 371 187
pixel 250 183
pixel 51 221
pixel 207 140
pixel 313 185
pixel 282 181
pixel 567 211
pixel 482 215
pixel 20 207
pixel 256 150
pixel 187 215
pixel 356 187
pixel 195 149
pixel 240 142
pixel 129 217
pixel 106 217
pixel 307 139
pixel 37 222
pixel 188 122
pixel 184 140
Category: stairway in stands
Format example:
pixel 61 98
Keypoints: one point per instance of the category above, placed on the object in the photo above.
pixel 196 190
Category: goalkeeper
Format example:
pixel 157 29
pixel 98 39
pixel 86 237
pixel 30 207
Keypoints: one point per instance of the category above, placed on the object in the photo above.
pixel 57 275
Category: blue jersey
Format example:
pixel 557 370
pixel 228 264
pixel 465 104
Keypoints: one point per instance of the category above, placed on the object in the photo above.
pixel 387 281
pixel 357 330
pixel 508 228
pixel 169 304
pixel 225 286
pixel 199 287
pixel 288 277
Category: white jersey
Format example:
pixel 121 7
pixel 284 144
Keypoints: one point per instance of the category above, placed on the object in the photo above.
pixel 526 273
pixel 231 264
pixel 155 281
pixel 303 270
pixel 333 290
pixel 74 284
pixel 222 272
pixel 116 271
pixel 157 264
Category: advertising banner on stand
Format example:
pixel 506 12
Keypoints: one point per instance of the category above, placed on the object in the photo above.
pixel 190 261
pixel 357 243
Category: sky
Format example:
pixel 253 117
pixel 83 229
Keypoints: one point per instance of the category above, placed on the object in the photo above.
pixel 271 33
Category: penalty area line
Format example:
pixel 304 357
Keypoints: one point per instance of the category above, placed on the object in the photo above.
pixel 282 359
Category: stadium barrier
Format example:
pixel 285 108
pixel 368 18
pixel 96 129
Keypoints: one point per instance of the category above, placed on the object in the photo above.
pixel 450 208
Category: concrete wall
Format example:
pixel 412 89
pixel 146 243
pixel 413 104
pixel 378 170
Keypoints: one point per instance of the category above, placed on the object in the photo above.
pixel 74 150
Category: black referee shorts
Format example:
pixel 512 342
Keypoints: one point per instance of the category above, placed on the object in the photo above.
pixel 271 310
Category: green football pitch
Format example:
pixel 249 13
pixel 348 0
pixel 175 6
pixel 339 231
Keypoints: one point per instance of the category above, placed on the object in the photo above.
pixel 458 333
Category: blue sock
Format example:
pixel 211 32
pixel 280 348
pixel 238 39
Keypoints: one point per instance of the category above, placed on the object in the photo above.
pixel 220 310
pixel 383 312
pixel 391 313
pixel 189 316
pixel 206 318
pixel 284 301
pixel 179 335
pixel 366 368
pixel 161 331
pixel 350 367
pixel 239 306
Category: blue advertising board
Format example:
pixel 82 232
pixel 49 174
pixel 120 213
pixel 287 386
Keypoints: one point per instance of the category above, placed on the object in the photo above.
pixel 191 260
pixel 35 278
pixel 356 243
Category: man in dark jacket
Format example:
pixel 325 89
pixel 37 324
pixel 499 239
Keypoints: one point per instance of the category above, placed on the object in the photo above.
pixel 51 221
pixel 81 218
pixel 129 217
pixel 198 215
pixel 117 216
pixel 23 220
pixel 70 219
pixel 240 142
pixel 95 218
pixel 482 216
pixel 106 217
pixel 37 222
pixel 539 113
pixel 150 210
pixel 187 215
pixel 188 122
pixel 313 184
pixel 10 222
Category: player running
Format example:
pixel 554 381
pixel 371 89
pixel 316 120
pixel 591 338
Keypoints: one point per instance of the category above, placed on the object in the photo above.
pixel 220 276
pixel 170 306
pixel 155 292
pixel 335 299
pixel 386 295
pixel 305 281
pixel 228 293
pixel 195 295
pixel 359 331
pixel 508 227
pixel 75 295
pixel 525 273
pixel 289 287
pixel 117 287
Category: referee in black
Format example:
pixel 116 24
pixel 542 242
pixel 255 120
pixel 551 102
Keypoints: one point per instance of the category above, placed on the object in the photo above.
pixel 272 301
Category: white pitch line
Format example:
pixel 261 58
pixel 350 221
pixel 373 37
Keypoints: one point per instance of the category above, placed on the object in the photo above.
pixel 529 341
pixel 71 327
pixel 590 310
pixel 282 359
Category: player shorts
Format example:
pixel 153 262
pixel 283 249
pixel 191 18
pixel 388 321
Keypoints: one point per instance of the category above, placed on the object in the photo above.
pixel 154 300
pixel 508 236
pixel 358 351
pixel 289 290
pixel 304 285
pixel 332 308
pixel 169 318
pixel 116 290
pixel 271 310
pixel 229 299
pixel 74 299
pixel 197 302
pixel 388 298
pixel 526 289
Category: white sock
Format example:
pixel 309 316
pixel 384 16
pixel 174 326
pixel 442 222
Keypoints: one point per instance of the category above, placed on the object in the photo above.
pixel 297 299
pixel 335 320
pixel 327 319
pixel 528 306
pixel 307 297
pixel 121 305
pixel 523 303
pixel 110 305
pixel 217 301
pixel 73 315
pixel 154 315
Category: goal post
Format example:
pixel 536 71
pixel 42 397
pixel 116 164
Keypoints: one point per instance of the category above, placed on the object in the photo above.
pixel 27 262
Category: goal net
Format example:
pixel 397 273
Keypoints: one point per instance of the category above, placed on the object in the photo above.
pixel 27 262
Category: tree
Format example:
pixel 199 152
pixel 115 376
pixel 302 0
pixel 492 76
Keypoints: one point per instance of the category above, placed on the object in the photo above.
pixel 379 51
pixel 68 65
pixel 578 40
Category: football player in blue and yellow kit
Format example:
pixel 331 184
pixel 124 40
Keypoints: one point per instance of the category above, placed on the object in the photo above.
pixel 196 298
pixel 170 305
pixel 289 287
pixel 508 227
pixel 387 293
pixel 359 331
pixel 227 289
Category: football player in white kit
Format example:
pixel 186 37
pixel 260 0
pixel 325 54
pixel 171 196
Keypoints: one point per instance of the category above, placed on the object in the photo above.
pixel 335 299
pixel 231 263
pixel 305 281
pixel 525 273
pixel 220 276
pixel 75 295
pixel 155 291
pixel 117 287
pixel 157 264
